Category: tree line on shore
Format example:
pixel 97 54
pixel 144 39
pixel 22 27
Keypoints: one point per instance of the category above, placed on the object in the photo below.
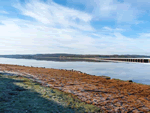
pixel 60 56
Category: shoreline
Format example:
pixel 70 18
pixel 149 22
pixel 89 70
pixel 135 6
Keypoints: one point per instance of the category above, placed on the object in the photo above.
pixel 20 94
pixel 108 94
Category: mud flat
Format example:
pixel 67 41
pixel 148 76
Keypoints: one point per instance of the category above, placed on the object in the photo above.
pixel 110 95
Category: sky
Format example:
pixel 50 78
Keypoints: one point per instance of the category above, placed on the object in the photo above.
pixel 75 26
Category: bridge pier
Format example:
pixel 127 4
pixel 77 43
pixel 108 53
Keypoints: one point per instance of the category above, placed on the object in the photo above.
pixel 146 60
pixel 139 60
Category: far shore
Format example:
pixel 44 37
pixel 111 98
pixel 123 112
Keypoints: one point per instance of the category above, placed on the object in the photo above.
pixel 108 94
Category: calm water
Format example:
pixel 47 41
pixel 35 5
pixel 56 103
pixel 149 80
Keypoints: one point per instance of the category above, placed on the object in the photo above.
pixel 138 72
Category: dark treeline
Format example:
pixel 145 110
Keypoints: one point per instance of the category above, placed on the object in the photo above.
pixel 63 56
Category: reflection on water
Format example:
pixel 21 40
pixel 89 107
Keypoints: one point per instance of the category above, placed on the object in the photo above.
pixel 138 72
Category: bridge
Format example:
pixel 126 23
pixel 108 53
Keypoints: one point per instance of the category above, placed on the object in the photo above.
pixel 140 60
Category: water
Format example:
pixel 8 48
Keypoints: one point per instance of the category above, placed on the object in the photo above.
pixel 138 72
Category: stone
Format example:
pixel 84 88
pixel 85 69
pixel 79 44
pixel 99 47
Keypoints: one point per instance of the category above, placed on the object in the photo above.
pixel 130 81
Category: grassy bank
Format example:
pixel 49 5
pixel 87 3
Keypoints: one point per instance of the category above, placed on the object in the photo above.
pixel 19 94
pixel 111 95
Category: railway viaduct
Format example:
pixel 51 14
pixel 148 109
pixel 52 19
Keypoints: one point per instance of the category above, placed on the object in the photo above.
pixel 140 60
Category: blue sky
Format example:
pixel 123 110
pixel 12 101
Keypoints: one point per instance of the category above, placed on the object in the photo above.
pixel 75 26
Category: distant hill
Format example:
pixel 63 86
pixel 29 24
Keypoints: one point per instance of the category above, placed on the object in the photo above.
pixel 58 57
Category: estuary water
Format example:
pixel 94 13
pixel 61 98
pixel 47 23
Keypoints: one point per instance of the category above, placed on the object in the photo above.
pixel 138 72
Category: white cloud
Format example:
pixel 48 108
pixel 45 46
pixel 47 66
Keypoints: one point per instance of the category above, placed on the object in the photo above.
pixel 56 15
pixel 127 11
pixel 114 30
pixel 107 28
pixel 59 29
pixel 4 12
pixel 144 35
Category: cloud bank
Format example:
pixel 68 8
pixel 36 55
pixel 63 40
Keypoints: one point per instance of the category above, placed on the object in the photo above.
pixel 49 27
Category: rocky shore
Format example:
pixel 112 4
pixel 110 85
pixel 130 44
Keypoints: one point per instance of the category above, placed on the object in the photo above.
pixel 108 94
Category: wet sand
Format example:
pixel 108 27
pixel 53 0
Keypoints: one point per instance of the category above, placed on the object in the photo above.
pixel 109 94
